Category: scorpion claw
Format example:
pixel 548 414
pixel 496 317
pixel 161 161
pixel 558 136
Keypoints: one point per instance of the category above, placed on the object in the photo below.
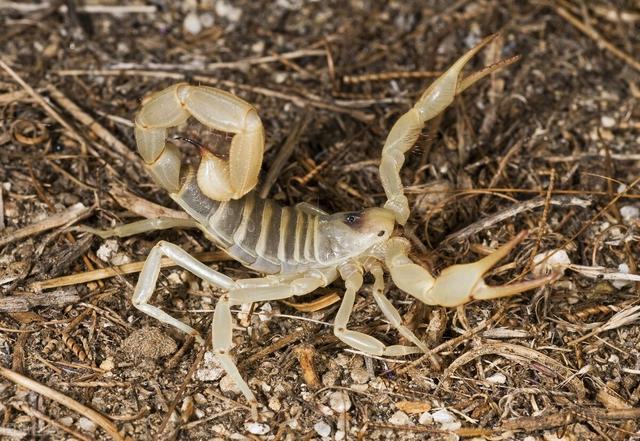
pixel 457 284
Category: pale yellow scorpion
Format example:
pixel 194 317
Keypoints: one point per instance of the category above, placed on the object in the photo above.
pixel 300 248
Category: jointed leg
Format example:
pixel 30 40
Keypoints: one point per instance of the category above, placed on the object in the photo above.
pixel 352 276
pixel 241 291
pixel 149 277
pixel 141 226
pixel 389 311
pixel 255 290
pixel 406 130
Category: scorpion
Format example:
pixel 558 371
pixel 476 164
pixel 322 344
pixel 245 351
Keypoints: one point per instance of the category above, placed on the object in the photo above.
pixel 299 248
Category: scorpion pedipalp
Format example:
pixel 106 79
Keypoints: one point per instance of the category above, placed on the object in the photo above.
pixel 404 133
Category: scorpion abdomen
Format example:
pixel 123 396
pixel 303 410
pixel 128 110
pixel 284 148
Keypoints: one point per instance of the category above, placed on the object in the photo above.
pixel 259 233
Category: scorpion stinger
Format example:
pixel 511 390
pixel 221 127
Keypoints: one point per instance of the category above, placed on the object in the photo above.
pixel 299 248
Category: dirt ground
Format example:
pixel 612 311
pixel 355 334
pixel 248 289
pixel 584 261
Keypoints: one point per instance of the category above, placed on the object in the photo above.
pixel 550 144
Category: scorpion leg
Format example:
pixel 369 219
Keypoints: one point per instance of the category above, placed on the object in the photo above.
pixel 387 308
pixel 141 226
pixel 406 130
pixel 149 277
pixel 457 284
pixel 352 275
pixel 255 290
pixel 310 209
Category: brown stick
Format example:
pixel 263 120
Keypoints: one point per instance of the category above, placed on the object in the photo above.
pixel 129 268
pixel 64 400
pixel 72 214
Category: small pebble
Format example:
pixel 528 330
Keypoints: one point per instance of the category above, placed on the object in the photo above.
pixel 107 250
pixel 66 421
pixel 454 425
pixel 207 20
pixel 212 370
pixel 425 418
pixel 552 260
pixel 257 428
pixel 258 47
pixel 497 378
pixel 192 23
pixel 227 10
pixel 624 269
pixel 120 259
pixel 87 425
pixel 400 419
pixel 265 312
pixel 339 401
pixel 443 416
pixel 629 212
pixel 322 429
pixel 340 435
pixel 359 375
pixel 228 385
pixel 274 404
pixel 607 122
pixel 107 364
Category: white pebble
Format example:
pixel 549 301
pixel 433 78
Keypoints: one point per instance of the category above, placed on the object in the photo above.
pixel 258 47
pixel 624 269
pixel 265 312
pixel 192 23
pixel 359 374
pixel 607 122
pixel 425 418
pixel 274 404
pixel 120 259
pixel 212 370
pixel 455 425
pixel 66 421
pixel 107 364
pixel 339 401
pixel 340 435
pixel 257 428
pixel 497 378
pixel 400 419
pixel 87 425
pixel 443 416
pixel 228 385
pixel 207 20
pixel 322 429
pixel 227 10
pixel 552 260
pixel 107 250
pixel 629 212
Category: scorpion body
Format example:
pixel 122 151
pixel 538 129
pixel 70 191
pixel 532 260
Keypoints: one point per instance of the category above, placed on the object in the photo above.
pixel 299 248
pixel 272 239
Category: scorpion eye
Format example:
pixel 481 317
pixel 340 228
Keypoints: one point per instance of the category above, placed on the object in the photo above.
pixel 351 218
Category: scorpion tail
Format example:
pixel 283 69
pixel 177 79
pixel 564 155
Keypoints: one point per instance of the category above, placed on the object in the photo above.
pixel 218 179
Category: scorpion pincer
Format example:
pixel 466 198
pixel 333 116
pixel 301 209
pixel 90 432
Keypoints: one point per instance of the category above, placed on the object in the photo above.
pixel 299 248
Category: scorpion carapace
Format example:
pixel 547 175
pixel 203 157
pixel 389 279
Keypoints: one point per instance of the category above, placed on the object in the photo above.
pixel 301 248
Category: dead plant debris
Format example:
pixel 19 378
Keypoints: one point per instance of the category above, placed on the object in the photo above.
pixel 550 144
